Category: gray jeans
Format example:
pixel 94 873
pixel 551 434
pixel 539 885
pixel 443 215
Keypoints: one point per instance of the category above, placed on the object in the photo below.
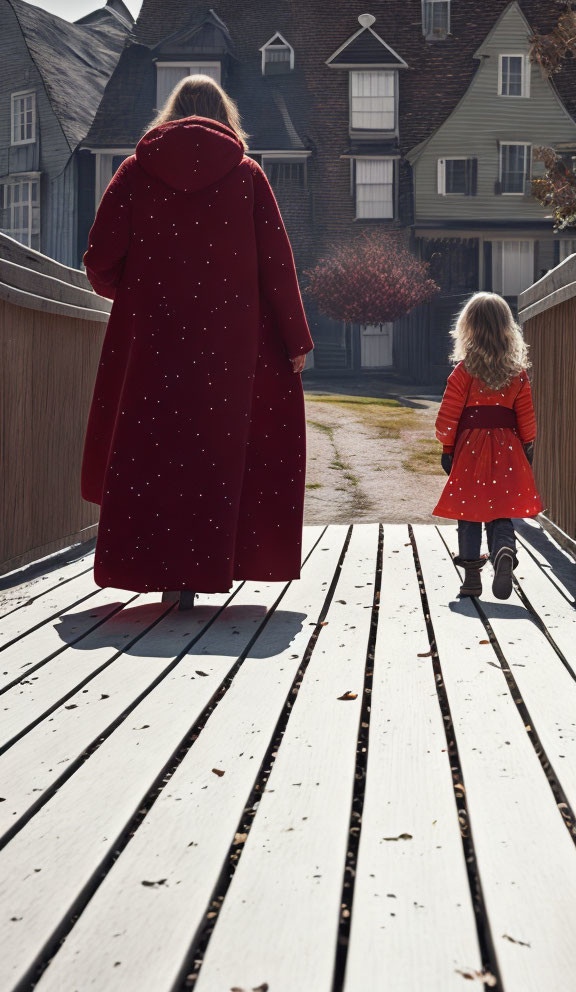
pixel 500 534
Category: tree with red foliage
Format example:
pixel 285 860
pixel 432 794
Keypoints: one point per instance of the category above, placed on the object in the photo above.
pixel 372 280
pixel 556 190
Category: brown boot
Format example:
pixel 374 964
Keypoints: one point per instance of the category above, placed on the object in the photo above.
pixel 472 585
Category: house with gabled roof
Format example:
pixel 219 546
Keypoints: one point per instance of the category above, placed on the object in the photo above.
pixel 474 213
pixel 53 76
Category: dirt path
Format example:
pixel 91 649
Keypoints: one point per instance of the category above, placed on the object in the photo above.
pixel 372 459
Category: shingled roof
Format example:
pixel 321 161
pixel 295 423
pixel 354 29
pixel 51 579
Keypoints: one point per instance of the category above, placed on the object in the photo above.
pixel 273 108
pixel 440 71
pixel 74 60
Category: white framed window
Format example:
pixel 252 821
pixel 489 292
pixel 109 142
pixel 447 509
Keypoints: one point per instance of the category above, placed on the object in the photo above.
pixel 457 176
pixel 374 181
pixel 277 55
pixel 373 100
pixel 107 162
pixel 21 208
pixel 281 170
pixel 514 75
pixel 170 73
pixel 515 167
pixel 566 248
pixel 512 266
pixel 435 19
pixel 23 117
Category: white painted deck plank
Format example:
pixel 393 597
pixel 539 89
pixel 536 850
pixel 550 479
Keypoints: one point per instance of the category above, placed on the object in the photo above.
pixel 13 597
pixel 47 606
pixel 279 922
pixel 526 858
pixel 187 834
pixel 567 567
pixel 399 941
pixel 546 686
pixel 40 757
pixel 557 615
pixel 19 659
pixel 29 700
pixel 72 727
pixel 70 836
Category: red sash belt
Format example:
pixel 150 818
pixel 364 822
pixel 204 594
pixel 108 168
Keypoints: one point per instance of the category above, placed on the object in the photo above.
pixel 486 417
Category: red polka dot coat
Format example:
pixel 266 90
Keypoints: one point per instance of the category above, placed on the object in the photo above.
pixel 195 446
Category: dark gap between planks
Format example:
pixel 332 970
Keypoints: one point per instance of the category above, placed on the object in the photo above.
pixel 192 963
pixel 564 807
pixel 347 899
pixel 488 954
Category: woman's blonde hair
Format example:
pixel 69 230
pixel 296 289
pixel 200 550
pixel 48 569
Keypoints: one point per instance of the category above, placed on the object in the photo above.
pixel 489 341
pixel 201 96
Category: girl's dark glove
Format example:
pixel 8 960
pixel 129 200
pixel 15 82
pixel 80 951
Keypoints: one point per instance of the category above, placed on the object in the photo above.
pixel 529 451
pixel 446 461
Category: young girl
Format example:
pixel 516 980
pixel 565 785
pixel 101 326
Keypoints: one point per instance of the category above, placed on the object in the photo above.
pixel 487 427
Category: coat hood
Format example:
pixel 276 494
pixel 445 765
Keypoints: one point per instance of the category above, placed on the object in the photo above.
pixel 190 153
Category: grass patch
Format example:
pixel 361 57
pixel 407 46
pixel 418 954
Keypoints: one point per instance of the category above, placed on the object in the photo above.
pixel 337 465
pixel 425 458
pixel 387 418
pixel 313 485
pixel 321 427
pixel 356 400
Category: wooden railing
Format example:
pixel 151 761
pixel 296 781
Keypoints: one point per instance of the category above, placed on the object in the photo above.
pixel 547 311
pixel 51 330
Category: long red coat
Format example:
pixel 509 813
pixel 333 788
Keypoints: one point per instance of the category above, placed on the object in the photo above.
pixel 195 446
pixel 491 476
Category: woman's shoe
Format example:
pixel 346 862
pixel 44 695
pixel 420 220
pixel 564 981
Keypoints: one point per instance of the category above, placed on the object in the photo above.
pixel 472 585
pixel 503 568
pixel 170 597
pixel 186 599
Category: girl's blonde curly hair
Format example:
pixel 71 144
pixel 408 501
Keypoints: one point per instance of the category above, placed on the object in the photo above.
pixel 488 341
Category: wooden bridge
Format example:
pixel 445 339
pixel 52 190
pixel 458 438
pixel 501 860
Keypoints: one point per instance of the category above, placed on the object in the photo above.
pixel 351 783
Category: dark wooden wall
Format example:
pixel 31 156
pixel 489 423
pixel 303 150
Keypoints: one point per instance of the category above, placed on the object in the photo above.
pixel 548 312
pixel 51 333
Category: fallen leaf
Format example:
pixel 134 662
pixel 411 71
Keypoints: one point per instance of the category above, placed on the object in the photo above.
pixel 479 976
pixel 484 642
pixel 104 695
pixel 73 706
pixel 205 674
pixel 400 837
pixel 349 695
pixel 514 941
pixel 218 771
pixel 240 838
pixel 161 881
pixel 427 654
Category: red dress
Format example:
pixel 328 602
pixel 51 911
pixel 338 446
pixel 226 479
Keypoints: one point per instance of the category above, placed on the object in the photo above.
pixel 491 476
pixel 195 446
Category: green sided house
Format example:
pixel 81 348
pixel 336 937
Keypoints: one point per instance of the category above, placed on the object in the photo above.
pixel 474 216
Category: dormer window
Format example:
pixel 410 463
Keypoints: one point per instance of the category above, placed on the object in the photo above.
pixel 373 67
pixel 514 75
pixel 277 56
pixel 436 19
pixel 170 73
pixel 373 101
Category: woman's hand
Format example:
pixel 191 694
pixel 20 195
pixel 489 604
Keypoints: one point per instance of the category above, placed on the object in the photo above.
pixel 298 364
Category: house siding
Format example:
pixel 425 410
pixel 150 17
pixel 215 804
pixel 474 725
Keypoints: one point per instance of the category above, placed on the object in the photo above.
pixel 481 120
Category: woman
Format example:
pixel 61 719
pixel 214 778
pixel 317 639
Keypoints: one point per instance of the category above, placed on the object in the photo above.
pixel 195 446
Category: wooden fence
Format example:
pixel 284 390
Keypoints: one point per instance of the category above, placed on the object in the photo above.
pixel 51 330
pixel 547 311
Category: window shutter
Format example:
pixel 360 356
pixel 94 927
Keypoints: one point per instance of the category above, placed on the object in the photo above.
pixel 471 177
pixel 442 176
